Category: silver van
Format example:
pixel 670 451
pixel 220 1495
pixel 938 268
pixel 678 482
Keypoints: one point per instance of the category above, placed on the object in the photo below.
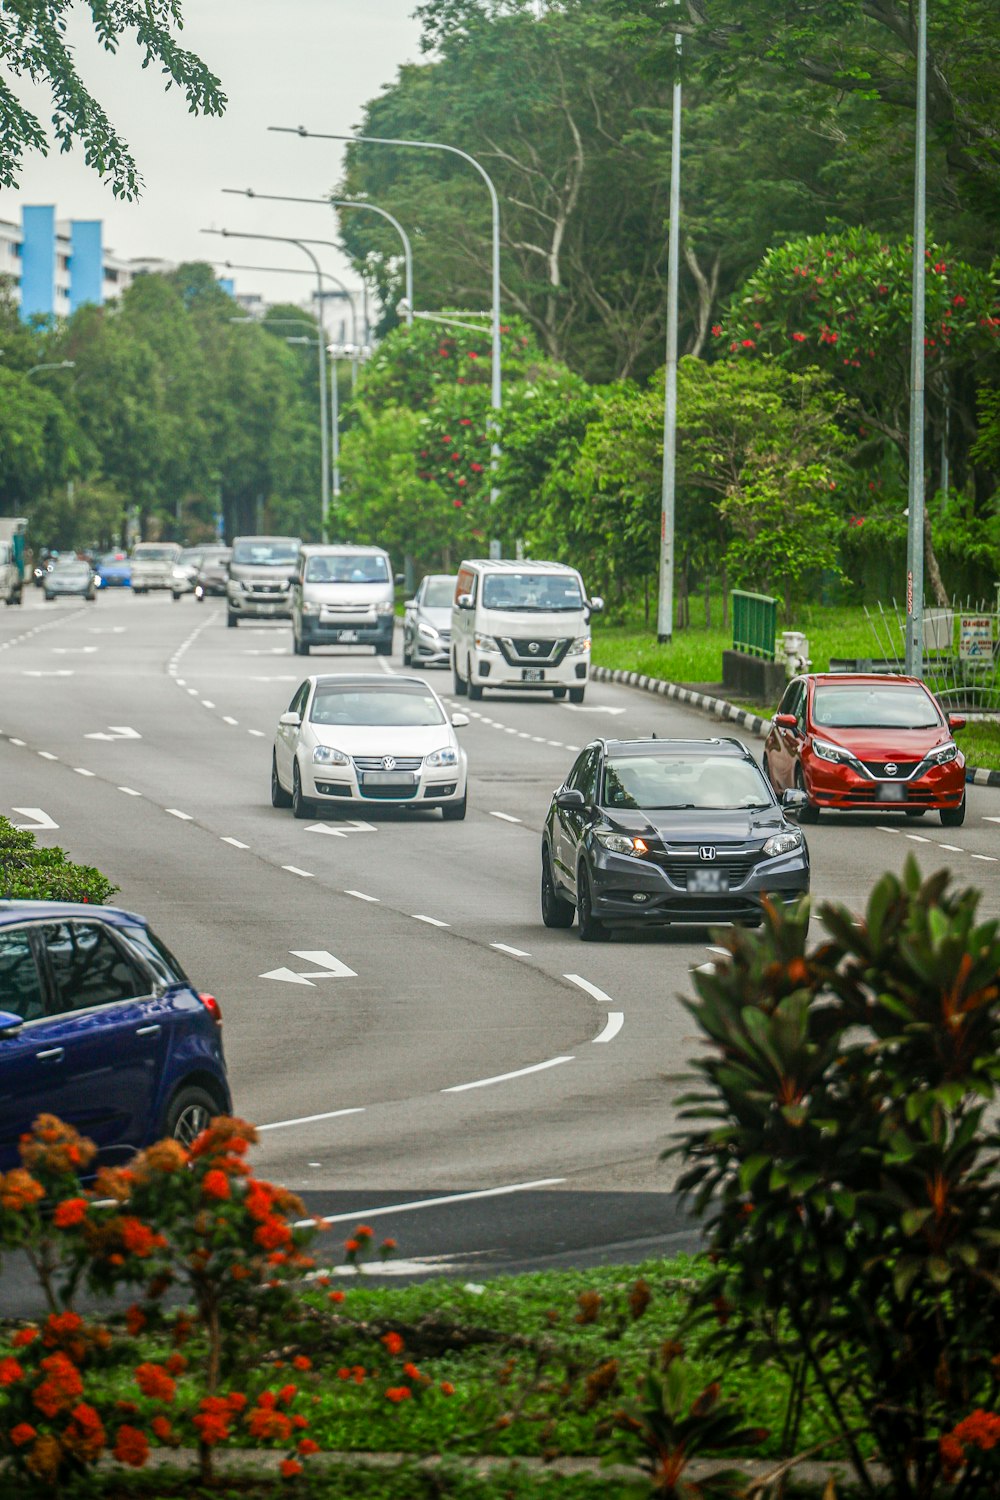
pixel 259 578
pixel 343 596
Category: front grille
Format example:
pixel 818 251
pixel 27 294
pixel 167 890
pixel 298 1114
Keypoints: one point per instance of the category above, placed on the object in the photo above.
pixel 374 763
pixel 519 653
pixel 388 793
pixel 904 769
pixel 266 588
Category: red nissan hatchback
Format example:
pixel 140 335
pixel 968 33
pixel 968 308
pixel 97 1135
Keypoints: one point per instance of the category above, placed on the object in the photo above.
pixel 860 743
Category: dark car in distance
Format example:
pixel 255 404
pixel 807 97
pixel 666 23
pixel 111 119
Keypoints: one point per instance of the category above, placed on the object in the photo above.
pixel 660 831
pixel 100 1026
pixel 213 571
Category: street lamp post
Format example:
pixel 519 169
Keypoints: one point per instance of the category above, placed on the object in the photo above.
pixel 665 598
pixel 915 512
pixel 376 140
pixel 348 203
pixel 324 452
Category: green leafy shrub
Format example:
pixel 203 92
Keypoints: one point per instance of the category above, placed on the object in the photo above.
pixel 846 1157
pixel 28 873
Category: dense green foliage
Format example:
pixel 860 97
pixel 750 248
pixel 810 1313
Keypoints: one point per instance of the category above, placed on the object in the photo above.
pixel 31 873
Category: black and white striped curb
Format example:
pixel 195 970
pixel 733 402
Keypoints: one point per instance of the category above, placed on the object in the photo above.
pixel 720 709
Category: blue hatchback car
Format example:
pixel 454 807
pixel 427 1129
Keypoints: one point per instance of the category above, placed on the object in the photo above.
pixel 100 1026
pixel 114 571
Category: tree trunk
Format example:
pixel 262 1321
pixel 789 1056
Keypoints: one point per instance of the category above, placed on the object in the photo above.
pixel 708 600
pixel 933 567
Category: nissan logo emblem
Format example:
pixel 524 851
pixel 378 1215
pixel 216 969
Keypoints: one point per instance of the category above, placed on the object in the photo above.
pixel 706 851
pixel 388 762
pixel 533 647
pixel 891 768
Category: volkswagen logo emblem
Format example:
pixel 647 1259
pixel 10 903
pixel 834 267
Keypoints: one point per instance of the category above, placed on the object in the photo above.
pixel 533 647
pixel 891 768
pixel 706 851
pixel 388 762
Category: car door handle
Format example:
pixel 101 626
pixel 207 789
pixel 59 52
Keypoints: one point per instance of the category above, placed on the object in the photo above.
pixel 148 1031
pixel 53 1054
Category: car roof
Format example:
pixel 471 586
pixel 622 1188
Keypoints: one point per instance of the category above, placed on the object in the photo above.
pixel 861 679
pixel 655 746
pixel 55 911
pixel 510 565
pixel 337 549
pixel 366 679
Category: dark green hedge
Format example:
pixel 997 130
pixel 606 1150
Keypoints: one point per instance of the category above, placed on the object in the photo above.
pixel 28 873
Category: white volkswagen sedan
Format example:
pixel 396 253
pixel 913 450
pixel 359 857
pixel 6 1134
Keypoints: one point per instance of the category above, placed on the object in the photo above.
pixel 376 740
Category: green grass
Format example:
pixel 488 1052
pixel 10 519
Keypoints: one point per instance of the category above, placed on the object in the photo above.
pixel 979 742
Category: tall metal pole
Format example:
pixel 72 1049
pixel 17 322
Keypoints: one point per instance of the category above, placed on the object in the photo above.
pixel 665 602
pixel 915 515
pixel 374 208
pixel 378 140
pixel 324 490
pixel 335 436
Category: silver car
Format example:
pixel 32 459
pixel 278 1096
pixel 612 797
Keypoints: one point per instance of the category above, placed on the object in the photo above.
pixel 71 577
pixel 427 622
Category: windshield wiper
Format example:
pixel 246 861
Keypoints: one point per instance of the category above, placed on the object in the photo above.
pixel 671 807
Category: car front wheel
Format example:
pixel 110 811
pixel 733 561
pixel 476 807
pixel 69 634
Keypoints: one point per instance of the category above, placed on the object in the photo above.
pixel 953 817
pixel 556 910
pixel 590 928
pixel 459 686
pixel 809 813
pixel 454 812
pixel 190 1111
pixel 279 797
pixel 300 807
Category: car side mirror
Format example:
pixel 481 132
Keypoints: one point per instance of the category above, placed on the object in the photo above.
pixel 785 721
pixel 398 578
pixel 596 605
pixel 464 601
pixel 460 720
pixel 794 797
pixel 10 1024
pixel 290 720
pixel 409 603
pixel 955 722
pixel 570 799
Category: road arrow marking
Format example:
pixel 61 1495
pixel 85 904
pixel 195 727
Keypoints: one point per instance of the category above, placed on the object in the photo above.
pixel 41 819
pixel 595 708
pixel 73 650
pixel 62 672
pixel 341 833
pixel 118 732
pixel 332 968
pixel 288 976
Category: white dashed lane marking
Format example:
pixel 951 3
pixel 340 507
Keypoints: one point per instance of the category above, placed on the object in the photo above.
pixel 361 896
pixel 130 791
pixel 294 870
pixel 505 817
pixel 506 948
pixel 615 1022
pixel 431 921
pixel 482 1083
pixel 235 843
pixel 175 812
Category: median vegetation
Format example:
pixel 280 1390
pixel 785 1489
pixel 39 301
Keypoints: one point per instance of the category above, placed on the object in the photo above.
pixel 839 1143
pixel 29 872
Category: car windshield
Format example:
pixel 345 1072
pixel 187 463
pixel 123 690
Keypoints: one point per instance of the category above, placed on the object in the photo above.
pixel 671 781
pixel 110 559
pixel 266 554
pixel 155 554
pixel 71 565
pixel 881 706
pixel 397 705
pixel 439 593
pixel 532 593
pixel 348 568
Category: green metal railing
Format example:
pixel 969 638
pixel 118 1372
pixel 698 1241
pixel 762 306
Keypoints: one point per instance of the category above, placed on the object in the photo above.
pixel 755 621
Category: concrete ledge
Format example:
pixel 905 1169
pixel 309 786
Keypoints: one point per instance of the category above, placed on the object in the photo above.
pixel 720 709
pixel 748 676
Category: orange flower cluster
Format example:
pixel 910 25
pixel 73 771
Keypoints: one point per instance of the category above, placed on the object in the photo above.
pixel 979 1430
pixel 61 1388
pixel 155 1382
pixel 84 1437
pixel 69 1213
pixel 19 1190
pixel 211 1420
pixel 138 1238
pixel 131 1446
pixel 398 1393
pixel 393 1342
pixel 54 1149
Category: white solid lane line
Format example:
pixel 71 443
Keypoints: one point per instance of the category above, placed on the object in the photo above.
pixel 431 921
pixel 175 812
pixel 294 870
pixel 363 1214
pixel 514 952
pixel 505 817
pixel 332 1114
pixel 235 843
pixel 482 1083
pixel 361 896
pixel 585 984
pixel 616 1020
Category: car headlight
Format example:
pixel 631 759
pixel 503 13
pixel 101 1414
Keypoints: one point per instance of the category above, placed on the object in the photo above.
pixel 621 843
pixel 428 632
pixel 835 753
pixel 943 754
pixel 447 756
pixel 579 646
pixel 326 755
pixel 311 609
pixel 485 642
pixel 386 608
pixel 783 843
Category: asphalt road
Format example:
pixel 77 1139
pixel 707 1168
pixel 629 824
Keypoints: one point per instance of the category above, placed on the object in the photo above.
pixel 398 1023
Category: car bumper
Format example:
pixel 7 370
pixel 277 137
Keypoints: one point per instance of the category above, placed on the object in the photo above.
pixel 493 671
pixel 846 790
pixel 317 632
pixel 344 785
pixel 632 892
pixel 263 607
pixel 431 655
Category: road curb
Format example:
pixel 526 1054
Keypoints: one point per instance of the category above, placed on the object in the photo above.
pixel 720 709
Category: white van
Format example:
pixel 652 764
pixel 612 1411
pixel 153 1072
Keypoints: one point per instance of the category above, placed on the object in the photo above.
pixel 521 626
pixel 343 596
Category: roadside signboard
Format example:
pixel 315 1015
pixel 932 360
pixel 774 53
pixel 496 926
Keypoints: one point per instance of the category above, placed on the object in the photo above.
pixel 975 638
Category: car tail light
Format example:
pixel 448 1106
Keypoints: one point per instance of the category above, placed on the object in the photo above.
pixel 213 1007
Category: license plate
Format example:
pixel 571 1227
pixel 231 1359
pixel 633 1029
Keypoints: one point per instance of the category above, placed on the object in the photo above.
pixel 347 635
pixel 708 882
pixel 388 778
pixel 267 609
pixel 532 674
pixel 890 791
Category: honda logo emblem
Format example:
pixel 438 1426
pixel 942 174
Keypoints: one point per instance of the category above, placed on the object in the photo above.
pixel 891 768
pixel 388 762
pixel 706 851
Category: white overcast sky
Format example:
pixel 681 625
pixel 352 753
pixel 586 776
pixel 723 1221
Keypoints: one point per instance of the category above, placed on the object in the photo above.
pixel 281 62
